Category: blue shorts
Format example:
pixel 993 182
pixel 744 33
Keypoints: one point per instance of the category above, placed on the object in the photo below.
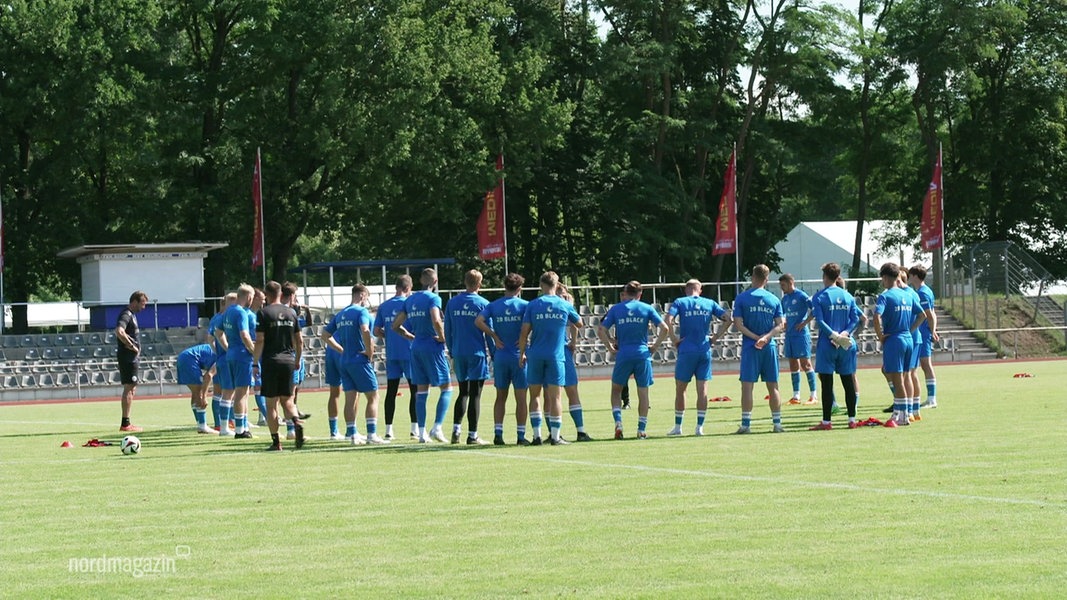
pixel 797 346
pixel 570 370
pixel 545 371
pixel 693 364
pixel 639 367
pixel 300 374
pixel 429 367
pixel 470 368
pixel 916 347
pixel 189 372
pixel 757 364
pixel 333 369
pixel 222 374
pixel 257 376
pixel 830 359
pixel 396 368
pixel 506 371
pixel 926 348
pixel 896 354
pixel 358 375
pixel 240 373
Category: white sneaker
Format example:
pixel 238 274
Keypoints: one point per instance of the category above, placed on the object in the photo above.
pixel 425 439
pixel 699 431
pixel 227 432
pixel 438 436
pixel 204 429
pixel 337 436
pixel 742 430
pixel 376 439
pixel 676 431
pixel 290 435
pixel 778 429
pixel 929 404
pixel 358 440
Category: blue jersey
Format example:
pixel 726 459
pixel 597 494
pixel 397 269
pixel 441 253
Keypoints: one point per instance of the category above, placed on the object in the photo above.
pixel 253 323
pixel 758 310
pixel 418 307
pixel 397 347
pixel 202 355
pixel 916 336
pixel 926 301
pixel 835 311
pixel 346 327
pixel 631 320
pixel 234 321
pixel 795 307
pixel 461 336
pixel 694 315
pixel 548 317
pixel 504 316
pixel 898 310
pixel 215 325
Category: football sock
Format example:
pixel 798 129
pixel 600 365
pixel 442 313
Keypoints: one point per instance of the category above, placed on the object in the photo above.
pixel 460 408
pixel 535 423
pixel 811 382
pixel 215 402
pixel 851 399
pixel 520 432
pixel 333 426
pixel 794 378
pixel 414 391
pixel 225 406
pixel 828 397
pixel 372 426
pixel 576 416
pixel 350 429
pixel 391 388
pixel 700 418
pixel 554 425
pixel 261 403
pixel 679 416
pixel 746 419
pixel 931 390
pixel 240 423
pixel 290 427
pixel 274 439
pixel 456 428
pixel 498 429
pixel 642 423
pixel 421 399
pixel 776 418
pixel 442 407
pixel 200 414
pixel 474 405
pixel 617 414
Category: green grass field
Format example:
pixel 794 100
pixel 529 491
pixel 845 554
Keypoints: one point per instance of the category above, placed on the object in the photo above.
pixel 971 502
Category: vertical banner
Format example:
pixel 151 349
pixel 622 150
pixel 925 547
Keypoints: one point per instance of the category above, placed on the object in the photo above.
pixel 726 224
pixel 933 219
pixel 492 242
pixel 257 205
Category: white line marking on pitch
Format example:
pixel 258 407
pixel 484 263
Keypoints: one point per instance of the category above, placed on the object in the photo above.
pixel 794 482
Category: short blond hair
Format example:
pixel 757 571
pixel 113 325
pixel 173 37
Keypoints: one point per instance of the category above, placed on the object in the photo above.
pixel 245 292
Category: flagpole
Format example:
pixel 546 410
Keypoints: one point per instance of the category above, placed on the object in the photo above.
pixel 503 210
pixel 737 219
pixel 939 258
pixel 262 231
pixel 3 304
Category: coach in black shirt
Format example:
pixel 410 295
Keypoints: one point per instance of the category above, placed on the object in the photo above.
pixel 277 350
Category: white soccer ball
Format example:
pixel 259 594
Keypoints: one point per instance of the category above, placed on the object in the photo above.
pixel 130 445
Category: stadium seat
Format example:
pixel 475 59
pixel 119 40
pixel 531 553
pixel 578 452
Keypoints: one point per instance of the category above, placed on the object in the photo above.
pixel 46 380
pixel 168 376
pixel 581 359
pixel 60 340
pixel 379 367
pixel 314 368
pixel 33 354
pixel 596 359
pixel 670 355
pixel 150 376
pixel 49 353
pixel 27 381
pixel 149 350
pixel 101 352
pixel 114 377
pixel 3 356
pixel 77 340
pixel 64 380
pixel 27 341
pixel 83 353
pixel 95 339
pixel 584 311
pixel 161 336
pixel 728 353
pixel 316 319
pixel 84 379
pixel 657 356
pixel 10 341
pixel 599 310
pixel 308 332
pixel 166 349
pixel 109 338
pixel 44 341
pixel 10 381
pixel 98 378
pixel 594 321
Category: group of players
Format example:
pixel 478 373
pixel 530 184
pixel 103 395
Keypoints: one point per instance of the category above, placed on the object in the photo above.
pixel 258 346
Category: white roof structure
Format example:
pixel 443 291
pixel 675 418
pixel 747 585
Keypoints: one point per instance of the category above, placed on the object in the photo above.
pixel 812 243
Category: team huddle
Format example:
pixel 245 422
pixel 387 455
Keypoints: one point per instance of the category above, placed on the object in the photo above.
pixel 531 344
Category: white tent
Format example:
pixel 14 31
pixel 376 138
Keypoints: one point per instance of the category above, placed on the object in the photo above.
pixel 812 243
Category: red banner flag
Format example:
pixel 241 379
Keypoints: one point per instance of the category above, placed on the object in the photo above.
pixel 726 224
pixel 933 221
pixel 257 204
pixel 492 241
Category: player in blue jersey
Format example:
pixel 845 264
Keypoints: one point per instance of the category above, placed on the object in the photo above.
pixel 911 379
pixel 397 356
pixel 239 347
pixel 927 330
pixel 469 349
pixel 349 334
pixel 501 320
pixel 194 365
pixel 541 352
pixel 796 306
pixel 897 315
pixel 429 364
pixel 570 378
pixel 222 372
pixel 837 317
pixel 630 320
pixel 257 380
pixel 695 317
pixel 758 316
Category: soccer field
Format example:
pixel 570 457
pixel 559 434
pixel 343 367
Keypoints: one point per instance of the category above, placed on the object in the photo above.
pixel 971 502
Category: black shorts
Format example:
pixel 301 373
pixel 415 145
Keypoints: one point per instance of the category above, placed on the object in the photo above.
pixel 128 372
pixel 277 379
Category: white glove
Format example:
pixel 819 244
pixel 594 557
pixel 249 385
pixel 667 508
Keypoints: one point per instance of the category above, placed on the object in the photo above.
pixel 841 340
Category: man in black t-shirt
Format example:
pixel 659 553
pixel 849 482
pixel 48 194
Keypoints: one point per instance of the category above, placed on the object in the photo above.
pixel 278 347
pixel 129 351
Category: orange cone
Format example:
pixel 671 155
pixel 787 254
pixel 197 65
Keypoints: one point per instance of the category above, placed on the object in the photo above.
pixel 66 444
